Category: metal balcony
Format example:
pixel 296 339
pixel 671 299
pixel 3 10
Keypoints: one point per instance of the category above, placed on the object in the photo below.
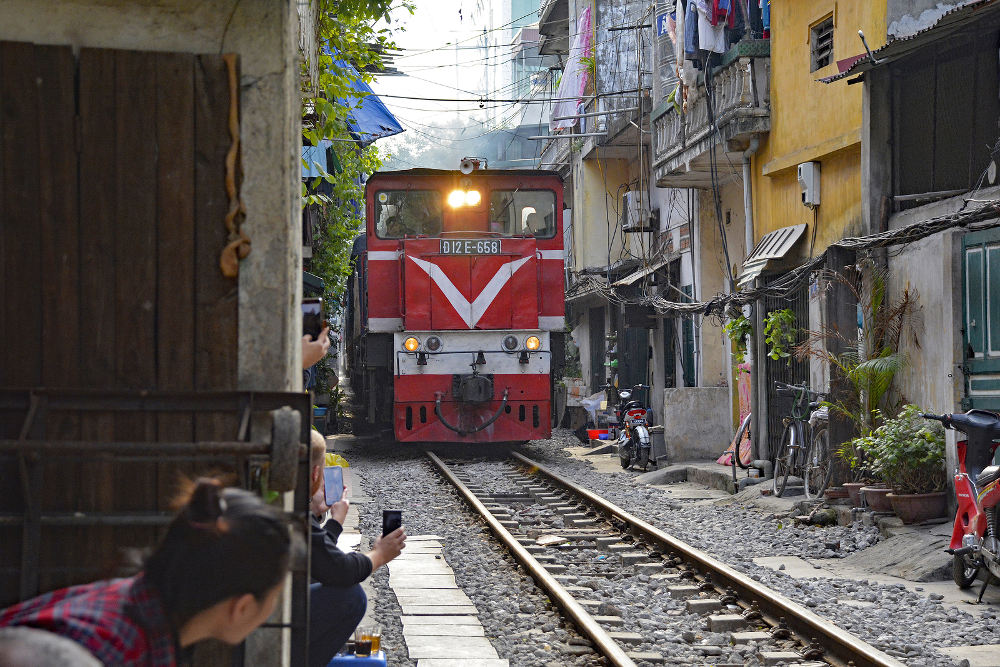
pixel 683 143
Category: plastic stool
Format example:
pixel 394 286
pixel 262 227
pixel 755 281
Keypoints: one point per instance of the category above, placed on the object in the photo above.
pixel 351 660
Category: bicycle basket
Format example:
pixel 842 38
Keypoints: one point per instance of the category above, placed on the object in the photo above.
pixel 787 402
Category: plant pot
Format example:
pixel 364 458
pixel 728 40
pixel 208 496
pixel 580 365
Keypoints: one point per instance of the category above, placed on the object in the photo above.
pixel 876 498
pixel 854 491
pixel 835 493
pixel 918 507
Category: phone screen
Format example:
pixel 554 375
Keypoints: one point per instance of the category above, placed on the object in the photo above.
pixel 312 317
pixel 391 520
pixel 333 479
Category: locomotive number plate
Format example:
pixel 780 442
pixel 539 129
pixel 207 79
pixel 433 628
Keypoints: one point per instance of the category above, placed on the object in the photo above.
pixel 470 247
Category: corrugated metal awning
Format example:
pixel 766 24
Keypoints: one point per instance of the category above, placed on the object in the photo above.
pixel 633 277
pixel 948 22
pixel 772 247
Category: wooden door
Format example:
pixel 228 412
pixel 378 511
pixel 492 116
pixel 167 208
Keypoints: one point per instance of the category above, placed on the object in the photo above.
pixel 112 206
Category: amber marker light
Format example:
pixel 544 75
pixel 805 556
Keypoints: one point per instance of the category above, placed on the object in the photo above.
pixel 411 344
pixel 532 343
pixel 456 198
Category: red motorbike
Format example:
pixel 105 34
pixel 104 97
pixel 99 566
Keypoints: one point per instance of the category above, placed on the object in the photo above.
pixel 974 539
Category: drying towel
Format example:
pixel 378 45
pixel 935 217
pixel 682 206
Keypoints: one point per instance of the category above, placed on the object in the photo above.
pixel 711 38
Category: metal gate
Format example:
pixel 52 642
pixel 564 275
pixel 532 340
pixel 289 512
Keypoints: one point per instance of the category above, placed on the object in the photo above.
pixel 788 370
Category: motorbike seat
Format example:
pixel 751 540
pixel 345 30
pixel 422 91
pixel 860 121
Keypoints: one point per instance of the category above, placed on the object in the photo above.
pixel 987 476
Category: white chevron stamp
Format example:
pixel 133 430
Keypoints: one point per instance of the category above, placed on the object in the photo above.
pixel 470 312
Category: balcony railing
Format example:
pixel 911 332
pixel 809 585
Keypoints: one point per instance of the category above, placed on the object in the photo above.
pixel 741 108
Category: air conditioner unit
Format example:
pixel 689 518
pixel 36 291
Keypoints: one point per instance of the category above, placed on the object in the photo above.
pixel 635 216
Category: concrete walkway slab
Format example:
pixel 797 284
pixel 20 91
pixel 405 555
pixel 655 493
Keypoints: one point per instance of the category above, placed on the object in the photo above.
pixel 446 647
pixel 986 655
pixel 437 609
pixel 432 596
pixel 438 620
pixel 444 630
pixel 402 582
pixel 440 623
pixel 457 662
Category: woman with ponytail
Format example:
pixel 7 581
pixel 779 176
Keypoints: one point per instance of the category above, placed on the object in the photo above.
pixel 216 574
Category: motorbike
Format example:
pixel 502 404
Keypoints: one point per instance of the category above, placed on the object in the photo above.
pixel 975 542
pixel 633 437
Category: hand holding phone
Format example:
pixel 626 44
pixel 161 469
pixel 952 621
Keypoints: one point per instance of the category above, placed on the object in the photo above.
pixel 312 317
pixel 391 520
pixel 333 480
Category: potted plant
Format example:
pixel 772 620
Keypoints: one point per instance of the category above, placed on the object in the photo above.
pixel 907 453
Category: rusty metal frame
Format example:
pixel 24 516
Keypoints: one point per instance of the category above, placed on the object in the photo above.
pixel 38 403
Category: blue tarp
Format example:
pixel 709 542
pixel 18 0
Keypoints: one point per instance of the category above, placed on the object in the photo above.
pixel 312 155
pixel 371 119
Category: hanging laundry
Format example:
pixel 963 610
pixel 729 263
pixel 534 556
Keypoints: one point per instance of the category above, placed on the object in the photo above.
pixel 672 26
pixel 765 17
pixel 574 78
pixel 711 38
pixel 723 11
pixel 691 31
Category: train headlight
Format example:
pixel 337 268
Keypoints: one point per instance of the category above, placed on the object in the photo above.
pixel 472 198
pixel 532 343
pixel 510 343
pixel 433 344
pixel 456 198
pixel 411 344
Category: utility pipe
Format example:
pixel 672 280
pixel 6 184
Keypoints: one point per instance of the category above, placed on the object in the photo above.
pixel 751 354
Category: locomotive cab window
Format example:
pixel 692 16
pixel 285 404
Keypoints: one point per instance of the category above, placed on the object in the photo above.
pixel 400 213
pixel 523 213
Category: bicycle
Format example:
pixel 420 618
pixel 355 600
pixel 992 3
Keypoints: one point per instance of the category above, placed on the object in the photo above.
pixel 738 461
pixel 805 447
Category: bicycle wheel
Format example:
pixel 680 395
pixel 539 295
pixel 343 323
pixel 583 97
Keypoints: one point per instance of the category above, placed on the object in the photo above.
pixel 819 464
pixel 784 461
pixel 738 461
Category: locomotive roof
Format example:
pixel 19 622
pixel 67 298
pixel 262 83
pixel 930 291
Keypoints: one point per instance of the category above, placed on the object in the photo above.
pixel 423 171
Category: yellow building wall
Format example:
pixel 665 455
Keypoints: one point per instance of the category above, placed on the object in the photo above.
pixel 814 121
pixel 593 205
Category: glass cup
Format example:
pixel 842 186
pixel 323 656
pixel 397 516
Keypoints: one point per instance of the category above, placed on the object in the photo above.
pixel 373 634
pixel 362 644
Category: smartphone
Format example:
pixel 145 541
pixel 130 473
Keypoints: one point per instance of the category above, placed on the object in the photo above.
pixel 333 479
pixel 391 520
pixel 312 317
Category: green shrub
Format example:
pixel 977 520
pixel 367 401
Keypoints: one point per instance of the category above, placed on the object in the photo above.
pixel 906 452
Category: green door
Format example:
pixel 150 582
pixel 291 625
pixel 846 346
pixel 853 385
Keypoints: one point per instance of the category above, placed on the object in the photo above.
pixel 981 330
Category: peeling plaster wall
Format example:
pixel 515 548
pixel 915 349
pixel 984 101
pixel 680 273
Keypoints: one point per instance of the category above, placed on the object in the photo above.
pixel 266 36
pixel 907 17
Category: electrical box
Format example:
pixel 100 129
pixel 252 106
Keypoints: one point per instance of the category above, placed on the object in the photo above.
pixel 809 183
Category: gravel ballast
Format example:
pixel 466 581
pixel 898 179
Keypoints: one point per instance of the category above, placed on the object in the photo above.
pixel 527 630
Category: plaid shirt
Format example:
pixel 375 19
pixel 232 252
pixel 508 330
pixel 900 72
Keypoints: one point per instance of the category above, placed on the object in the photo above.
pixel 120 621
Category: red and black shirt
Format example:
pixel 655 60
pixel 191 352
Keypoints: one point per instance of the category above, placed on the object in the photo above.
pixel 120 621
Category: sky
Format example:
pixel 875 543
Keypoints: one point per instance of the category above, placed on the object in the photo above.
pixel 443 57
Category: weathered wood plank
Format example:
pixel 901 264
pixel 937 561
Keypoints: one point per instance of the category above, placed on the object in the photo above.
pixel 58 221
pixel 217 304
pixel 135 483
pixel 98 215
pixel 175 211
pixel 22 316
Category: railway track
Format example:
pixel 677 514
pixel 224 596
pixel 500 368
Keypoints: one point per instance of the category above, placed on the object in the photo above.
pixel 554 528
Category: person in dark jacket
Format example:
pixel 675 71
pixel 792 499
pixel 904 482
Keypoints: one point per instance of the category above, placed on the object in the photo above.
pixel 337 603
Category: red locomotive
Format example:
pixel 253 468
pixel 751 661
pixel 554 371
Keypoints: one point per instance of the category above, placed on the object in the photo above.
pixel 456 304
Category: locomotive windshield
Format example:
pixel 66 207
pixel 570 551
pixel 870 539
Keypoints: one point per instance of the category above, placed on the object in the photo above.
pixel 523 213
pixel 400 213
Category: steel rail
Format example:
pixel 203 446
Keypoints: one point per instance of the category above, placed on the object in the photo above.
pixel 841 646
pixel 583 620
